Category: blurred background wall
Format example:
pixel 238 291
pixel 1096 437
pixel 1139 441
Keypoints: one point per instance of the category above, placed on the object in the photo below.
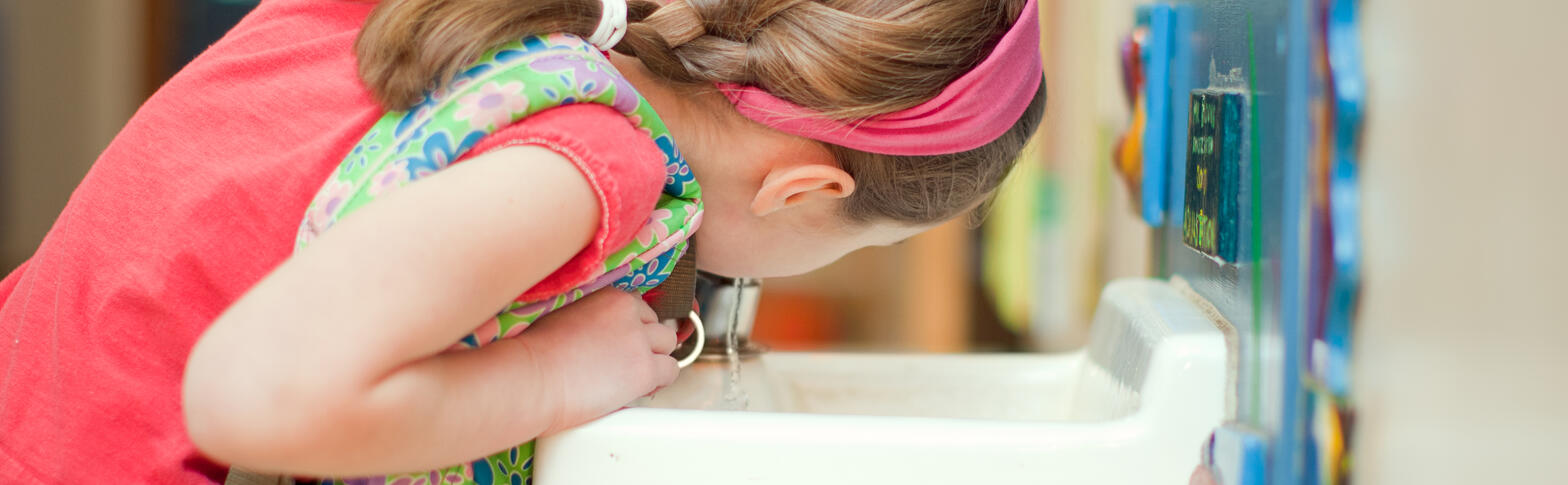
pixel 1460 361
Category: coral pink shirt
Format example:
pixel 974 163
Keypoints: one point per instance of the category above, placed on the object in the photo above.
pixel 197 199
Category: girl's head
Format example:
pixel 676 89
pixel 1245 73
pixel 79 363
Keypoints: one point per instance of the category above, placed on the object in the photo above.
pixel 778 203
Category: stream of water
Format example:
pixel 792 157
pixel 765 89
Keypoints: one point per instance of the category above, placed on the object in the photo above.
pixel 734 397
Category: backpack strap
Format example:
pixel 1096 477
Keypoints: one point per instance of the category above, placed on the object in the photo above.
pixel 245 477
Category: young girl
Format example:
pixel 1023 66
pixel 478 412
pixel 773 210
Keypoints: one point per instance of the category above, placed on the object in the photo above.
pixel 166 324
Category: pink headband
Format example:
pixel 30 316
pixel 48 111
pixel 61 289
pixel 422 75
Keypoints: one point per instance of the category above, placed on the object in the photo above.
pixel 975 110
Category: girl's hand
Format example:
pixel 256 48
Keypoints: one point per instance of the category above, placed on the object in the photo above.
pixel 601 353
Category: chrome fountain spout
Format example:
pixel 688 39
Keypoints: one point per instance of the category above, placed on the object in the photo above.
pixel 727 307
pixel 728 371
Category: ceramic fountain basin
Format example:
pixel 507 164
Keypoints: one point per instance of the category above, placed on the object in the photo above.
pixel 1132 408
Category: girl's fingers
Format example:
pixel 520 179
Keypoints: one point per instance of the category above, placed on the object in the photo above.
pixel 665 369
pixel 661 339
pixel 646 313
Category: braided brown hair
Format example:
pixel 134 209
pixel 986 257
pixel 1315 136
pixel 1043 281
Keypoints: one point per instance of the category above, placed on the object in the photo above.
pixel 848 59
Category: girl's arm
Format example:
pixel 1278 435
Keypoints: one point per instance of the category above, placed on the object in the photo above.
pixel 333 365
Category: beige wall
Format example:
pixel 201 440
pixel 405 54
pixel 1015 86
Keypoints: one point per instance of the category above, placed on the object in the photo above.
pixel 73 78
pixel 1462 363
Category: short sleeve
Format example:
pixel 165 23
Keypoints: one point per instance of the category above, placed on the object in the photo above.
pixel 623 165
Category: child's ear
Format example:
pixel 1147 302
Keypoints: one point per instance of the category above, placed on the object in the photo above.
pixel 786 187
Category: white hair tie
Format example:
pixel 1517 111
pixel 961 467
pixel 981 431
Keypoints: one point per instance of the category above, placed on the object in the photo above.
pixel 612 25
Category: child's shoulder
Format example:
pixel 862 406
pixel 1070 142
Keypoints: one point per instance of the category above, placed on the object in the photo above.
pixel 624 166
pixel 600 141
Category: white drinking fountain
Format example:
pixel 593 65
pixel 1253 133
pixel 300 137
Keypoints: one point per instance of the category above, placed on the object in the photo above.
pixel 1132 408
